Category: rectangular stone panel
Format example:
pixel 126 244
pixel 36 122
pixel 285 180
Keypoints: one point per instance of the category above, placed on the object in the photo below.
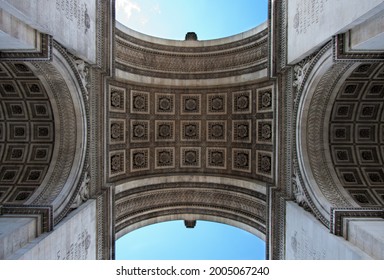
pixel 242 131
pixel 139 131
pixel 242 160
pixel 117 163
pixel 264 99
pixel 71 22
pixel 117 131
pixel 303 233
pixel 117 99
pixel 164 157
pixel 139 102
pixel 311 23
pixel 216 131
pixel 242 102
pixel 190 157
pixel 216 104
pixel 164 130
pixel 190 104
pixel 190 130
pixel 216 158
pixel 74 238
pixel 164 104
pixel 139 159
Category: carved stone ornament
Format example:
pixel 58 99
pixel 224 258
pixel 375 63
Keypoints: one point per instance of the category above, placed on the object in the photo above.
pixel 300 70
pixel 83 69
pixel 83 194
pixel 299 194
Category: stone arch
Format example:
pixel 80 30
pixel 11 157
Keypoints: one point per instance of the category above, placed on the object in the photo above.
pixel 319 82
pixel 234 202
pixel 69 94
pixel 55 101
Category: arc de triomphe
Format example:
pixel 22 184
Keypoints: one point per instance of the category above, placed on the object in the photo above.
pixel 278 130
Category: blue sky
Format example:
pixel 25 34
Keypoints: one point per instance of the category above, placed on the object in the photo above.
pixel 210 19
pixel 172 19
pixel 207 241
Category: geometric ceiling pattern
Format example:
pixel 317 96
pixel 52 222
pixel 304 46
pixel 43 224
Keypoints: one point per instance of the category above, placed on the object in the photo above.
pixel 356 134
pixel 160 131
pixel 26 133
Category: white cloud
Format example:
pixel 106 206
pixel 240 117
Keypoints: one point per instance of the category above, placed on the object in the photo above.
pixel 156 8
pixel 126 7
pixel 144 20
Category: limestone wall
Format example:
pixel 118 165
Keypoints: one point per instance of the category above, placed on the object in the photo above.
pixel 74 238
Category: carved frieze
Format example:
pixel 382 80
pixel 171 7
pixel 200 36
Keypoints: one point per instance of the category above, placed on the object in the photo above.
pixel 138 56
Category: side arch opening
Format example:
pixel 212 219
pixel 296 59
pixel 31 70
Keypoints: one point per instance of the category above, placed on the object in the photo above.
pixel 234 202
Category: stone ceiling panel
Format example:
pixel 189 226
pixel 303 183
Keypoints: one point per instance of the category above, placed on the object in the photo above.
pixel 26 133
pixel 357 134
pixel 154 130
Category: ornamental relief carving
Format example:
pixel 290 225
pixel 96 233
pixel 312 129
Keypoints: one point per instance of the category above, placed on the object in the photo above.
pixel 153 60
pixel 189 196
pixel 319 166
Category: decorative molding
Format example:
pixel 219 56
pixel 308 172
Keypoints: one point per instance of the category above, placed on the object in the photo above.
pixel 314 137
pixel 342 51
pixel 338 215
pixel 45 212
pixel 247 55
pixel 68 147
pixel 42 53
pixel 142 203
pixel 83 194
pixel 139 160
pixel 300 70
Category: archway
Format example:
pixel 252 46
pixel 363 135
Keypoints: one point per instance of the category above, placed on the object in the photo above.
pixel 234 202
pixel 338 161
